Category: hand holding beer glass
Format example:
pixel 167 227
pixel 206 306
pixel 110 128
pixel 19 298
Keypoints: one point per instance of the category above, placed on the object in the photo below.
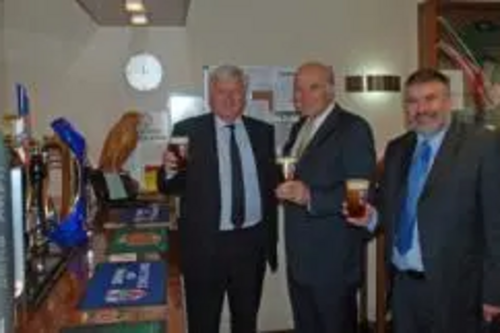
pixel 291 189
pixel 176 155
pixel 357 198
pixel 287 165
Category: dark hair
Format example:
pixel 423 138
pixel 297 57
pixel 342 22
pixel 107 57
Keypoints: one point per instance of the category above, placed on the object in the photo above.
pixel 427 75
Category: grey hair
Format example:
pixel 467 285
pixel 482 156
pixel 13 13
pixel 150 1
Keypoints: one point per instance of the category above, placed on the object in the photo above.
pixel 228 73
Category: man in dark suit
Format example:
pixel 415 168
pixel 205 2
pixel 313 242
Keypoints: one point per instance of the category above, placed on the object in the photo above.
pixel 438 204
pixel 228 227
pixel 323 252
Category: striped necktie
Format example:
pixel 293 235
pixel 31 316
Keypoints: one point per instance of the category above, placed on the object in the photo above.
pixel 303 138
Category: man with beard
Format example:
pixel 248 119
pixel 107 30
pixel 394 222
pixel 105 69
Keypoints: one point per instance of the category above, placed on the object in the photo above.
pixel 438 204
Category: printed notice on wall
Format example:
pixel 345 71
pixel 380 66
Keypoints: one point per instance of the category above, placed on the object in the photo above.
pixel 154 132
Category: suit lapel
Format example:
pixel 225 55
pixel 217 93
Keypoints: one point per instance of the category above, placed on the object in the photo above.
pixel 208 136
pixel 403 160
pixel 445 158
pixel 323 132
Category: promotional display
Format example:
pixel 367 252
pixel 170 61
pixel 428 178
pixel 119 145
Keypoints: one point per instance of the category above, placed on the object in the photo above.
pixel 71 231
pixel 126 284
pixel 140 216
pixel 151 213
pixel 129 244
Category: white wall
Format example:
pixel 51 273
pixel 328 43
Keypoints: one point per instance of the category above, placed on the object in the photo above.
pixel 355 36
pixel 75 68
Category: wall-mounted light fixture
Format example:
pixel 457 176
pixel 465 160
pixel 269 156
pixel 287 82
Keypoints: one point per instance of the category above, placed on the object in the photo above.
pixel 354 83
pixel 373 83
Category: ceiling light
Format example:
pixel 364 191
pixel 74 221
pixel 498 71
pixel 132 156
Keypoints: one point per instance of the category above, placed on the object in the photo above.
pixel 139 19
pixel 134 6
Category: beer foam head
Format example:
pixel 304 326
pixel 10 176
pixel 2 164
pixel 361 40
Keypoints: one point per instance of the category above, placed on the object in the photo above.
pixel 179 140
pixel 358 184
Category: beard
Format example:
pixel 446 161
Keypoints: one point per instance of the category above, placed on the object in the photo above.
pixel 428 124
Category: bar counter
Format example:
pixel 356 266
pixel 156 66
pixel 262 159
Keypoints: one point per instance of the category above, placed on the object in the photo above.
pixel 60 307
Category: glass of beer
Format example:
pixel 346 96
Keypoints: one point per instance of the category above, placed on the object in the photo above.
pixel 357 196
pixel 179 146
pixel 287 164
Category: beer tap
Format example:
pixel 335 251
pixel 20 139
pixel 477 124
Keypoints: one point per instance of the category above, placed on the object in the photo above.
pixel 37 171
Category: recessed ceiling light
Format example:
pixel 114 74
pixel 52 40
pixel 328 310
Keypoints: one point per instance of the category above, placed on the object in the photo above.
pixel 139 19
pixel 134 6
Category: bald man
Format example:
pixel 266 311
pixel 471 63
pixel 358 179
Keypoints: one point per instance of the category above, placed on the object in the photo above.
pixel 323 251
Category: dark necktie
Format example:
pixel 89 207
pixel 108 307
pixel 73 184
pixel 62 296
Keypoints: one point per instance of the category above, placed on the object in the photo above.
pixel 238 186
pixel 416 180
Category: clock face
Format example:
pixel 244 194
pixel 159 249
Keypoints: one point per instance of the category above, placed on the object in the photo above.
pixel 144 72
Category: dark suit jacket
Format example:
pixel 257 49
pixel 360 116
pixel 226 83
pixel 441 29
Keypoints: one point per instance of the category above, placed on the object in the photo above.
pixel 458 219
pixel 321 247
pixel 199 188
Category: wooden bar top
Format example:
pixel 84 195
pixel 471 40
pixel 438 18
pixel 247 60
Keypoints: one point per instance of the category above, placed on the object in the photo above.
pixel 60 309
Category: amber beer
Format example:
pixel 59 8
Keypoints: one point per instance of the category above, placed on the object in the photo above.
pixel 179 146
pixel 287 164
pixel 357 196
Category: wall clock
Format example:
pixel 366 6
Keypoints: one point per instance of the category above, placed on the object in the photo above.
pixel 144 72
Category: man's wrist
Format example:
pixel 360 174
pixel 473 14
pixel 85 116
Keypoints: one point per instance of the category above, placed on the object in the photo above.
pixel 306 197
pixel 372 220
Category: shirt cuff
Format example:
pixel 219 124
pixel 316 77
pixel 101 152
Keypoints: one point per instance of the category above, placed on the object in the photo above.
pixel 373 221
pixel 309 207
pixel 170 175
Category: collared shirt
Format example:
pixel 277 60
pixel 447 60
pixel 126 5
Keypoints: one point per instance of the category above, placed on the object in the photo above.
pixel 320 119
pixel 317 122
pixel 253 204
pixel 412 260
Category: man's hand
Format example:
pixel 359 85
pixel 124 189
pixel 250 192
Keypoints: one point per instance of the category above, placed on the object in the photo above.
pixel 170 161
pixel 294 191
pixel 361 221
pixel 490 312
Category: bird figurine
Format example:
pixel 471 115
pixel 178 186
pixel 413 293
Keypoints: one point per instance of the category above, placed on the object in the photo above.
pixel 120 142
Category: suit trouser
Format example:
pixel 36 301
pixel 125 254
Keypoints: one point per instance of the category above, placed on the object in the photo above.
pixel 411 299
pixel 322 308
pixel 238 271
pixel 413 310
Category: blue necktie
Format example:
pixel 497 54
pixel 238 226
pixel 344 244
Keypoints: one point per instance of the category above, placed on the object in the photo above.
pixel 416 180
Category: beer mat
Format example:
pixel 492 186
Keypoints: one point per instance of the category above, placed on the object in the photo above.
pixel 110 225
pixel 145 214
pixel 138 241
pixel 128 257
pixel 151 215
pixel 129 314
pixel 140 327
pixel 126 284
